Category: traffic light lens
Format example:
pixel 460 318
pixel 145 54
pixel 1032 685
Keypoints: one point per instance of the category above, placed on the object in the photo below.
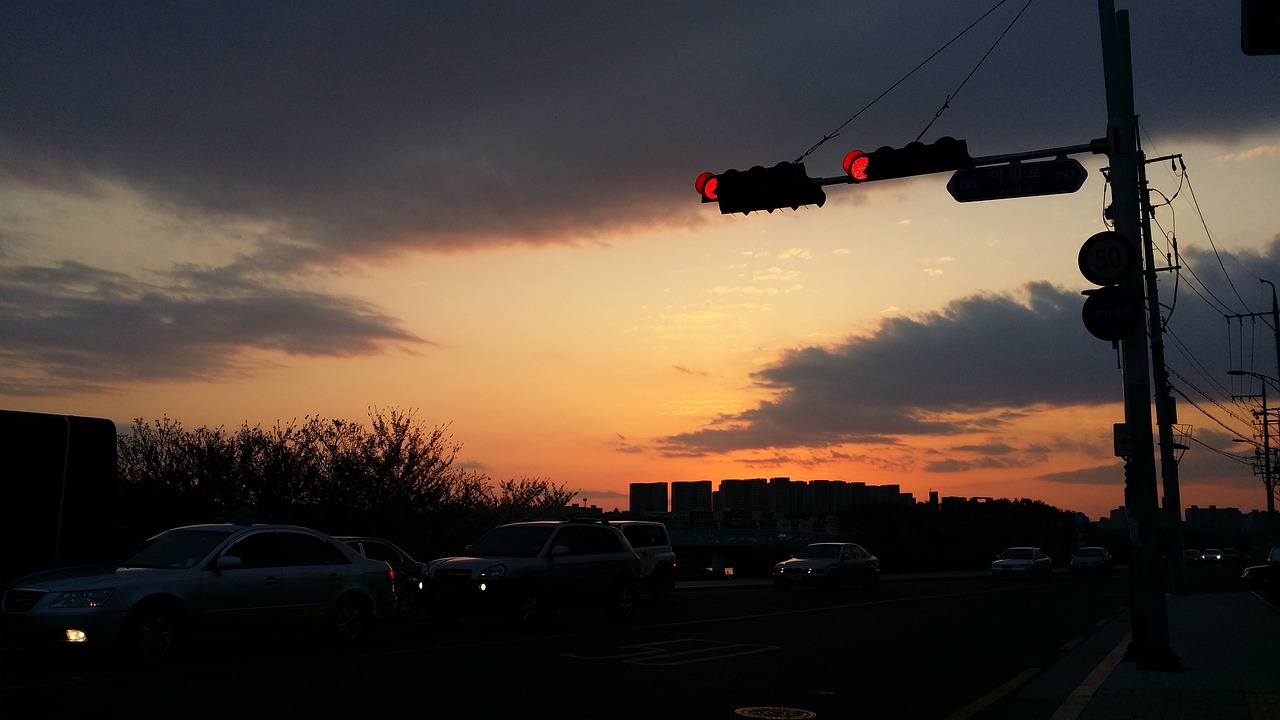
pixel 855 164
pixel 706 185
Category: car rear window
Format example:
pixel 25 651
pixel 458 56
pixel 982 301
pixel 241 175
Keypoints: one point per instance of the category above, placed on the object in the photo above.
pixel 645 535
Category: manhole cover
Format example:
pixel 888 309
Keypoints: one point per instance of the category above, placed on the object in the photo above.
pixel 776 713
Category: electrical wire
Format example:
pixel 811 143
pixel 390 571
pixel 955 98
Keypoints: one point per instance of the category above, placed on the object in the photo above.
pixel 947 102
pixel 836 133
pixel 1209 234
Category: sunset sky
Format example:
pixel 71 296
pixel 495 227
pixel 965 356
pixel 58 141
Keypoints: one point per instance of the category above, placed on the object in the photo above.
pixel 484 213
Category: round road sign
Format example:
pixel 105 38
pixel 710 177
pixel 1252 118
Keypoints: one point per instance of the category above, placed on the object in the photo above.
pixel 1106 258
pixel 1111 313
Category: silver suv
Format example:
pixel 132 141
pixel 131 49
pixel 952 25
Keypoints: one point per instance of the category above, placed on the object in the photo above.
pixel 524 572
pixel 652 543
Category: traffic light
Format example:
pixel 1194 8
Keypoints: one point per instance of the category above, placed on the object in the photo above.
pixel 916 158
pixel 1260 27
pixel 760 188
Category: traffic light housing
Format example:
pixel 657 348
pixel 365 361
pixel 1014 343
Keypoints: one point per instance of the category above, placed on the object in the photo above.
pixel 915 158
pixel 742 191
pixel 1260 27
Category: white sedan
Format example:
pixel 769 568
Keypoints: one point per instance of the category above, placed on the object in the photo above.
pixel 1022 562
pixel 828 564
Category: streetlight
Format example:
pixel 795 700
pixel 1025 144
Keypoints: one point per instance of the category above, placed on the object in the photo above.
pixel 1268 478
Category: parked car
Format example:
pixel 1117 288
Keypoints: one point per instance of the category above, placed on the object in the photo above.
pixel 1212 555
pixel 827 564
pixel 1230 556
pixel 652 543
pixel 205 580
pixel 1267 574
pixel 1192 557
pixel 1022 562
pixel 410 581
pixel 524 572
pixel 1092 560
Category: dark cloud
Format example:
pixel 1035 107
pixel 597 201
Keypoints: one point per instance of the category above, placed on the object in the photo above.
pixel 375 127
pixel 987 359
pixel 958 370
pixel 73 327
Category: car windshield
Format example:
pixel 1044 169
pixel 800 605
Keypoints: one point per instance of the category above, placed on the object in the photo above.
pixel 175 549
pixel 818 551
pixel 1089 552
pixel 512 541
pixel 1016 554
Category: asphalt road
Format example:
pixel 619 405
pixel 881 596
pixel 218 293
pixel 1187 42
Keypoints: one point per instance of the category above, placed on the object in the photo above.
pixel 908 649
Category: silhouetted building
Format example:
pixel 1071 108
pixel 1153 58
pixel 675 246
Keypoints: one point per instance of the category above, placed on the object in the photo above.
pixel 649 497
pixel 1215 518
pixel 742 495
pixel 688 496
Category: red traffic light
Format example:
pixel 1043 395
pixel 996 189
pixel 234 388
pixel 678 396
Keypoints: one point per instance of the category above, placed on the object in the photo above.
pixel 855 164
pixel 760 188
pixel 706 185
pixel 915 158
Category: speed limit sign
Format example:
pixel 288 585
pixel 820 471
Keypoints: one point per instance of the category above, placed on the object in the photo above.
pixel 1106 258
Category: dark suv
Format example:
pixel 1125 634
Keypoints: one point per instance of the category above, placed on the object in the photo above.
pixel 524 572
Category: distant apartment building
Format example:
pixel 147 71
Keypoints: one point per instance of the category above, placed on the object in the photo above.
pixel 695 504
pixel 1215 518
pixel 649 497
pixel 744 496
pixel 691 496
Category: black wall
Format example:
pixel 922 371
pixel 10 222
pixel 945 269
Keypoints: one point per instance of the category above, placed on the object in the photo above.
pixel 57 492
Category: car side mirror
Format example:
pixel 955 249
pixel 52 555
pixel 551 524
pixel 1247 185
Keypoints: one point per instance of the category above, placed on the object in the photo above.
pixel 227 562
pixel 559 550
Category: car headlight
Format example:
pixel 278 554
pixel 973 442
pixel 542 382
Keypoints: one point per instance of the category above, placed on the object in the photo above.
pixel 82 598
pixel 493 572
pixel 777 568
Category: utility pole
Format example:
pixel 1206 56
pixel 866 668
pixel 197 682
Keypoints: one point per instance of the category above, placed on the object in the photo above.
pixel 1268 467
pixel 1150 646
pixel 1166 411
pixel 1271 477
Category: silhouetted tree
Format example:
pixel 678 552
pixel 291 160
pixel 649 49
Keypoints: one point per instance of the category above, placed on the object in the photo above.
pixel 395 479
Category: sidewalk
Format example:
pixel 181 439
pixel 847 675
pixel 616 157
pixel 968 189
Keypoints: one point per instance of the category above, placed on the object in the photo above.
pixel 1229 646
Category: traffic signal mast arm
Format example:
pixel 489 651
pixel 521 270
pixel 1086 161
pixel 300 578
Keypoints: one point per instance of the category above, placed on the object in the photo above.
pixel 1096 147
pixel 787 184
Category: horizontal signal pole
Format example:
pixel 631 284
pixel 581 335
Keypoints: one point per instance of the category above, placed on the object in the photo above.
pixel 1095 147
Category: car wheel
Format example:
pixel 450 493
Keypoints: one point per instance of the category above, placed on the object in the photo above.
pixel 349 624
pixel 623 602
pixel 662 586
pixel 407 605
pixel 529 611
pixel 152 634
pixel 869 583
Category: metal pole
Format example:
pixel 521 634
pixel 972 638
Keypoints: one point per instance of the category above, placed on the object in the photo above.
pixel 1165 411
pixel 1269 478
pixel 1150 645
pixel 1268 470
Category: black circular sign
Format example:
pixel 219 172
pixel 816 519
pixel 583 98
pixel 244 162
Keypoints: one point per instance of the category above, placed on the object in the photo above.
pixel 1111 313
pixel 1106 258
